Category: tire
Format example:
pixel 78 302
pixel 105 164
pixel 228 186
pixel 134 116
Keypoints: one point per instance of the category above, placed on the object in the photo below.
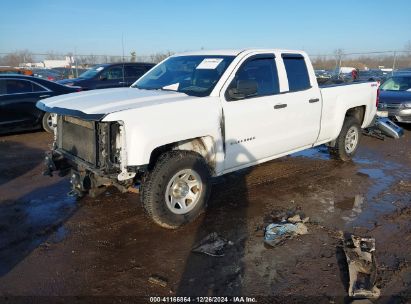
pixel 176 190
pixel 345 150
pixel 46 123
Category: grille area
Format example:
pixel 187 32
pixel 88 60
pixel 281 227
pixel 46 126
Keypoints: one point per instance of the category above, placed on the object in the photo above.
pixel 78 137
pixel 393 105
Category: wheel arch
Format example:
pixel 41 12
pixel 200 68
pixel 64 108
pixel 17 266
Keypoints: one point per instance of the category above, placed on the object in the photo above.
pixel 203 145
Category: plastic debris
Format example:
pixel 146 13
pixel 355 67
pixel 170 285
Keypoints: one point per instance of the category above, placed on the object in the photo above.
pixel 212 245
pixel 295 219
pixel 277 233
pixel 362 267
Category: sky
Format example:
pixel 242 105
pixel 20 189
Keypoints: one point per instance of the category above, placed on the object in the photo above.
pixel 151 26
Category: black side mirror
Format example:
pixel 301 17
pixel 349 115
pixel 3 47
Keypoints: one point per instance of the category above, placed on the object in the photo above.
pixel 244 89
pixel 102 77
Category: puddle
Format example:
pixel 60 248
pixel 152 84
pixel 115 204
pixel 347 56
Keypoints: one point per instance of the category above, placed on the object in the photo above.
pixel 320 152
pixel 59 235
pixel 29 221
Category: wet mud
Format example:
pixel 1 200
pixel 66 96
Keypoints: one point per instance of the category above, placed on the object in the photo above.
pixel 52 244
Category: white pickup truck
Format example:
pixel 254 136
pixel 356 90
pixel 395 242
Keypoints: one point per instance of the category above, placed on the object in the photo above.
pixel 198 115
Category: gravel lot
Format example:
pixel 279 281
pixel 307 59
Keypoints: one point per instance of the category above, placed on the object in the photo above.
pixel 53 245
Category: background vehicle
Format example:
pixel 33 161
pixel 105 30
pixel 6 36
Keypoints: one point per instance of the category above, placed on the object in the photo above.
pixel 13 70
pixel 199 115
pixel 69 73
pixel 18 97
pixel 372 75
pixel 109 76
pixel 48 74
pixel 395 97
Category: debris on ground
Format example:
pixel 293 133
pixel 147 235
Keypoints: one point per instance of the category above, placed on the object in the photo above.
pixel 362 267
pixel 213 245
pixel 276 233
pixel 157 280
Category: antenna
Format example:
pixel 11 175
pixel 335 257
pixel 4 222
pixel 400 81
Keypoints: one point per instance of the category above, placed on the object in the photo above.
pixel 122 45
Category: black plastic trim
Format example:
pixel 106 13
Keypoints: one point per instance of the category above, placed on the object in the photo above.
pixel 70 112
pixel 289 55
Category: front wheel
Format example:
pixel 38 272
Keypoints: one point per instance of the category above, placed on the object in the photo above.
pixel 47 123
pixel 348 141
pixel 176 190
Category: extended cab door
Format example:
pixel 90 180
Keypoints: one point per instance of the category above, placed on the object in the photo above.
pixel 298 122
pixel 282 116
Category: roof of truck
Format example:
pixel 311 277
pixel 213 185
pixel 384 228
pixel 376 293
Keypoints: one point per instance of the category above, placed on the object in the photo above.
pixel 234 52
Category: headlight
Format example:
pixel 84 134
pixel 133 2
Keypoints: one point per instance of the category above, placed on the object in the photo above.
pixel 407 105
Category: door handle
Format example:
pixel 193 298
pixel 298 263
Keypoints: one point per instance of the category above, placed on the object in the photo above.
pixel 44 96
pixel 280 106
pixel 122 82
pixel 312 100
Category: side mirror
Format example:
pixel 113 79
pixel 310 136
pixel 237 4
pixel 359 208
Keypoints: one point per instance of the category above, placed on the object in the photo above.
pixel 244 89
pixel 102 77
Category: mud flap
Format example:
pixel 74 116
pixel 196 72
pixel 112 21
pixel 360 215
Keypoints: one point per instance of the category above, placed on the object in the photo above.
pixel 362 267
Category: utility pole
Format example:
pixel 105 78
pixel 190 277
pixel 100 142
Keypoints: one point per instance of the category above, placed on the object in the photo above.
pixel 394 63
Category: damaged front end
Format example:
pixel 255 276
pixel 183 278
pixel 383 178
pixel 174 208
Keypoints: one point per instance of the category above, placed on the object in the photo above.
pixel 92 153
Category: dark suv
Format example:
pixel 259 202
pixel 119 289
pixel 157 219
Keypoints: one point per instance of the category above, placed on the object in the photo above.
pixel 110 75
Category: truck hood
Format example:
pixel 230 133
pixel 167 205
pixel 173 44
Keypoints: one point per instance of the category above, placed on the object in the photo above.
pixel 96 104
pixel 395 96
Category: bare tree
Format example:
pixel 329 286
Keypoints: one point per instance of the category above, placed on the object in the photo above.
pixel 17 58
pixel 133 56
pixel 51 55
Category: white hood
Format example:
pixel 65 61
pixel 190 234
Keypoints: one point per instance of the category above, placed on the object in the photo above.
pixel 101 102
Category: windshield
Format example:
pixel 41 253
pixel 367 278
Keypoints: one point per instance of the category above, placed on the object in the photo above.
pixel 192 75
pixel 397 83
pixel 92 72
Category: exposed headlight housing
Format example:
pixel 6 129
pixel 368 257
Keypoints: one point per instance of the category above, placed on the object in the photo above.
pixel 407 105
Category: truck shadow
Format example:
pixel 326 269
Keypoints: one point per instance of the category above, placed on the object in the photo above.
pixel 17 159
pixel 226 215
pixel 30 220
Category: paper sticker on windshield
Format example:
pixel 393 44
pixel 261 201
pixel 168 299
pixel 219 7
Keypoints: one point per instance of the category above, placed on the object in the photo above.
pixel 209 63
pixel 99 69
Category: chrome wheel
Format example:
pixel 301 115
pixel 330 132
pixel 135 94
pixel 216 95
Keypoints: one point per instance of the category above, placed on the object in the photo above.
pixel 183 191
pixel 50 121
pixel 351 140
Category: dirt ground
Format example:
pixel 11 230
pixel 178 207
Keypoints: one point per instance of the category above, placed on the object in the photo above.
pixel 54 245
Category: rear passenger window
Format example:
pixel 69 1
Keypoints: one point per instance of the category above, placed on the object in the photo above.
pixel 297 73
pixel 134 71
pixel 18 86
pixel 37 88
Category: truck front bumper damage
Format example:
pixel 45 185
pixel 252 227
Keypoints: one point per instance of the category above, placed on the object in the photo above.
pixel 92 153
pixel 84 179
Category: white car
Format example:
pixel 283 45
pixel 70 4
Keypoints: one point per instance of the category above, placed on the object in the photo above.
pixel 199 115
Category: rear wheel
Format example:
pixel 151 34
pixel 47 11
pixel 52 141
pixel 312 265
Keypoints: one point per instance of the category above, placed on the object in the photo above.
pixel 47 123
pixel 176 190
pixel 348 141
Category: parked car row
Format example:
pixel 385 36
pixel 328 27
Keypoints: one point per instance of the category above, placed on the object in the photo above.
pixel 109 76
pixel 18 97
pixel 395 97
pixel 19 94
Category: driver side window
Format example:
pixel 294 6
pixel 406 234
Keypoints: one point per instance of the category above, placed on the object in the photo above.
pixel 260 74
pixel 112 73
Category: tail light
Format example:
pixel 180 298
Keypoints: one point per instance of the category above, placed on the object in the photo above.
pixel 378 97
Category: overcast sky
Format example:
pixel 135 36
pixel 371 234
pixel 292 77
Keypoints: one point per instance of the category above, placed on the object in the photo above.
pixel 150 26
